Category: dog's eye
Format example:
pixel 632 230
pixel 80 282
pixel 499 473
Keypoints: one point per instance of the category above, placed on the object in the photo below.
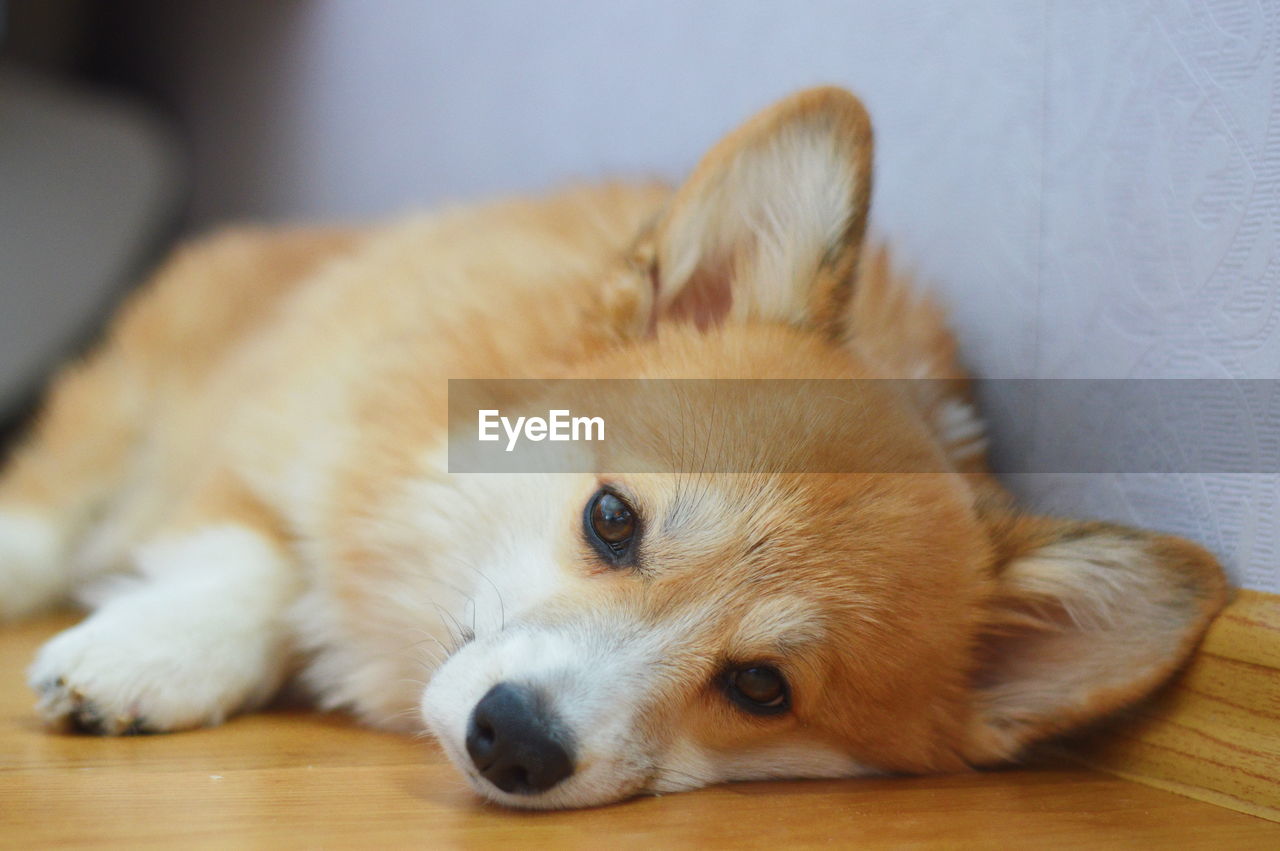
pixel 611 525
pixel 758 688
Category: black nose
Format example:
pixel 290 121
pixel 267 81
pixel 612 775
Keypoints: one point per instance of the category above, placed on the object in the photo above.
pixel 517 742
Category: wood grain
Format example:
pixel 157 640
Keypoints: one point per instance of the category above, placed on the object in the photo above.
pixel 1214 733
pixel 292 779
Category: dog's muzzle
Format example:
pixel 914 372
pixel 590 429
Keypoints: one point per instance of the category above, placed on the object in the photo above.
pixel 517 742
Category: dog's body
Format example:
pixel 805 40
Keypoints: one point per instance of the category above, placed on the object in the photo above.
pixel 259 448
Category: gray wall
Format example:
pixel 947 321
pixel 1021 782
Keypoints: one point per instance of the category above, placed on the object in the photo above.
pixel 1092 186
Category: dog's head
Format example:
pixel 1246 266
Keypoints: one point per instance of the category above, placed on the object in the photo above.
pixel 666 631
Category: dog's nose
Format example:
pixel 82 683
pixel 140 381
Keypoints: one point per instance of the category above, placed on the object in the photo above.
pixel 516 741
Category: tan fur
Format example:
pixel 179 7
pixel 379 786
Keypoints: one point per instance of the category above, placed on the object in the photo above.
pixel 295 383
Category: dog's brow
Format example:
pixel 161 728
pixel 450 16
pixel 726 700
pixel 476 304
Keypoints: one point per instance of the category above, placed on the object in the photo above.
pixel 684 508
pixel 781 624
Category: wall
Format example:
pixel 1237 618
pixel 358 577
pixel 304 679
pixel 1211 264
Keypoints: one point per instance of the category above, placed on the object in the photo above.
pixel 1091 186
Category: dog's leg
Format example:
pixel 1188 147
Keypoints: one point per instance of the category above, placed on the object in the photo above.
pixel 197 635
pixel 102 415
pixel 60 478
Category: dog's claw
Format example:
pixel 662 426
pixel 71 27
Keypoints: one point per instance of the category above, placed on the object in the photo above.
pixel 69 708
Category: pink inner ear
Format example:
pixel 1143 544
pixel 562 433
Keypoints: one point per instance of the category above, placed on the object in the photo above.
pixel 706 298
pixel 1011 650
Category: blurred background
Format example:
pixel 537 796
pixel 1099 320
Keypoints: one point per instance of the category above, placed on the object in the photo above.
pixel 1091 186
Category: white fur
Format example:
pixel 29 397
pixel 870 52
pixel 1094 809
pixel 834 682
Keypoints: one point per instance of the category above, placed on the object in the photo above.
pixel 33 575
pixel 196 639
pixel 686 765
pixel 430 595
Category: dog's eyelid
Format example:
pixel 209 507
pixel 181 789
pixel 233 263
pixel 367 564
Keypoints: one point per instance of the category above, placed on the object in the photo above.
pixel 618 487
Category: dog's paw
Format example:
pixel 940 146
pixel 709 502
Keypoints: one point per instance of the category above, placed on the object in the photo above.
pixel 123 672
pixel 32 576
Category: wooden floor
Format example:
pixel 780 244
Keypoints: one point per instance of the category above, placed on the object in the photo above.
pixel 301 780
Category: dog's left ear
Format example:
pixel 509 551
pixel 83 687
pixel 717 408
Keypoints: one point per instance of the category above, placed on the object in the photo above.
pixel 1086 618
pixel 770 224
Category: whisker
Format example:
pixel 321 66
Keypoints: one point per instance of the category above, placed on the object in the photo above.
pixel 663 772
pixel 414 681
pixel 502 606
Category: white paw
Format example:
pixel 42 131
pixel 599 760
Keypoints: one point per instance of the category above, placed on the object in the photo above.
pixel 136 668
pixel 32 575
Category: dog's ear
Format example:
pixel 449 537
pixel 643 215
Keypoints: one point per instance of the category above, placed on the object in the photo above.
pixel 770 224
pixel 1086 618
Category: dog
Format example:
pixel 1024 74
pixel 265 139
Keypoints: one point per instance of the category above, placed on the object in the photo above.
pixel 248 483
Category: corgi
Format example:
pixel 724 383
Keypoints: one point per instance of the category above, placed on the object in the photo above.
pixel 248 484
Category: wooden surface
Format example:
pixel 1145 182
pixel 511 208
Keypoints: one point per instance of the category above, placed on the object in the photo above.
pixel 300 780
pixel 1214 733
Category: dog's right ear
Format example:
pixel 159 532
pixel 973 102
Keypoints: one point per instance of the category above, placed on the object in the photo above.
pixel 770 224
